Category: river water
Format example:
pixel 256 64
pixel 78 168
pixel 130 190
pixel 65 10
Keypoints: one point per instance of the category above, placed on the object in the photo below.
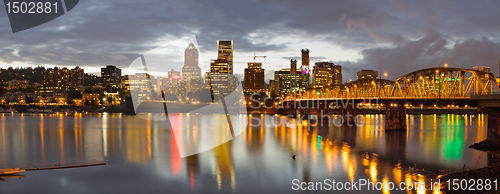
pixel 143 157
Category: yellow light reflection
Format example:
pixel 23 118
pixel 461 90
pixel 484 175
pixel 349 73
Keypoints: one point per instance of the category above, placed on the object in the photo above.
pixel 398 174
pixel 373 170
pixel 385 189
pixel 349 165
pixel 61 137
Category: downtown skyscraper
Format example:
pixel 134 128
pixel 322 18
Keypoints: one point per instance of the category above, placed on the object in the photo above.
pixel 191 72
pixel 191 68
pixel 225 51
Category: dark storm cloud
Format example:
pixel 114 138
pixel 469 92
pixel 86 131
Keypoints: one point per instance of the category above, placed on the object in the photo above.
pixel 96 32
pixel 390 35
pixel 431 51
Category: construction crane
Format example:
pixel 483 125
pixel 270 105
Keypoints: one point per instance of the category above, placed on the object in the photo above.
pixel 255 56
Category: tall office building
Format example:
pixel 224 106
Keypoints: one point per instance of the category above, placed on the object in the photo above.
pixel 175 75
pixel 293 65
pixel 191 68
pixel 288 82
pixel 220 82
pixel 191 72
pixel 367 74
pixel 305 58
pixel 170 83
pixel 254 77
pixel 225 51
pixel 326 74
pixel 306 70
pixel 141 85
pixel 110 74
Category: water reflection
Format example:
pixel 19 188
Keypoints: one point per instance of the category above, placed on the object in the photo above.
pixel 260 156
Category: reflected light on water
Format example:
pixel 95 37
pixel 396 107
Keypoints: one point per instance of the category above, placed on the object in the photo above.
pixel 436 141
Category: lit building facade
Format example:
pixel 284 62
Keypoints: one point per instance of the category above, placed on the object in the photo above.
pixel 219 80
pixel 191 72
pixel 482 68
pixel 326 74
pixel 191 68
pixel 254 77
pixel 140 84
pixel 76 77
pixel 367 74
pixel 169 84
pixel 110 75
pixel 225 51
pixel 62 80
pixel 288 82
pixel 17 84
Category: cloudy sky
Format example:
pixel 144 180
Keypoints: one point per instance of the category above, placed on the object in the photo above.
pixel 396 37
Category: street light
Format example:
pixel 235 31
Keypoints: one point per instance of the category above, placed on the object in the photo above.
pixel 446 65
pixel 385 74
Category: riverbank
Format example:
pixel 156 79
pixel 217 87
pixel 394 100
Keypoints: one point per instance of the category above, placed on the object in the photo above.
pixel 492 172
pixel 149 107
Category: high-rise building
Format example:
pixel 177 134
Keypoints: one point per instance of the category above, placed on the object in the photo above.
pixel 191 72
pixel 337 75
pixel 305 58
pixel 254 77
pixel 273 87
pixel 76 77
pixel 191 68
pixel 110 75
pixel 306 70
pixel 50 76
pixel 170 83
pixel 367 74
pixel 174 75
pixel 140 85
pixel 219 66
pixel 293 65
pixel 62 80
pixel 288 82
pixel 220 82
pixel 225 51
pixel 326 74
